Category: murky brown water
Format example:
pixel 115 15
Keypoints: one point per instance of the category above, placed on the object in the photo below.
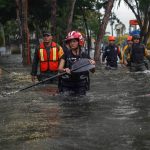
pixel 115 114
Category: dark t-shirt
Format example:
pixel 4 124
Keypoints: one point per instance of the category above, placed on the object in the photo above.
pixel 70 58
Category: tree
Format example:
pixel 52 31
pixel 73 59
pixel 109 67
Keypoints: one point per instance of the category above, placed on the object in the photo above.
pixel 70 16
pixel 141 10
pixel 23 8
pixel 87 9
pixel 102 28
pixel 53 16
pixel 7 10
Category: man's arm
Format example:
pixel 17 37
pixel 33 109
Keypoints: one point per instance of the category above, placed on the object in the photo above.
pixel 104 54
pixel 119 53
pixel 128 53
pixel 60 52
pixel 35 63
pixel 146 54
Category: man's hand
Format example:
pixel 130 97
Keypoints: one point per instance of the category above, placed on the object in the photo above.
pixel 121 61
pixel 92 62
pixel 33 78
pixel 125 62
pixel 67 70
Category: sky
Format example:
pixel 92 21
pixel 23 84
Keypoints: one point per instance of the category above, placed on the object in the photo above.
pixel 124 14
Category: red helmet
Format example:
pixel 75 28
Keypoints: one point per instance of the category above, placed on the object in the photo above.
pixel 129 38
pixel 111 38
pixel 75 35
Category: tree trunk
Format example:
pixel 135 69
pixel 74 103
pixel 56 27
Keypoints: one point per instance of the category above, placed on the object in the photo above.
pixel 18 13
pixel 70 18
pixel 18 17
pixel 147 33
pixel 87 30
pixel 23 9
pixel 53 16
pixel 102 29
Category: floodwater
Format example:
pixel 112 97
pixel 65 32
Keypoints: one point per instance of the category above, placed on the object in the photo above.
pixel 114 115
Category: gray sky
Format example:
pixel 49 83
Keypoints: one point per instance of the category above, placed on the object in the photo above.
pixel 124 14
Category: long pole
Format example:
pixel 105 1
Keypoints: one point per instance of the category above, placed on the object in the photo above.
pixel 57 75
pixel 4 70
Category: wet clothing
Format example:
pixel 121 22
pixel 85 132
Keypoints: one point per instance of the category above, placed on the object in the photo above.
pixel 134 67
pixel 136 55
pixel 48 59
pixel 124 55
pixel 74 83
pixel 112 52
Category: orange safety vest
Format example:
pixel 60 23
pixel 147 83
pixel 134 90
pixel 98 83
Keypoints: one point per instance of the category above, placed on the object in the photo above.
pixel 51 62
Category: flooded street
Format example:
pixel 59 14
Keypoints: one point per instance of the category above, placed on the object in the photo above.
pixel 114 115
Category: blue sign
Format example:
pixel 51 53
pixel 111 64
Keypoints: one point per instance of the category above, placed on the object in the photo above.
pixel 135 32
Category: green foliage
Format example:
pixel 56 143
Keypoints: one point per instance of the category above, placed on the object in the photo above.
pixel 39 13
pixel 39 16
pixel 11 27
pixel 7 10
pixel 94 22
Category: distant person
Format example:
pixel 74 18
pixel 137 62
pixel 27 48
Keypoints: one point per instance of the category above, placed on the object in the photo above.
pixel 104 46
pixel 127 46
pixel 47 54
pixel 111 54
pixel 136 55
pixel 73 83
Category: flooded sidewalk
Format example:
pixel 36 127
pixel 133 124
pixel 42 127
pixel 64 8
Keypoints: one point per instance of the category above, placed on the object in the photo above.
pixel 114 115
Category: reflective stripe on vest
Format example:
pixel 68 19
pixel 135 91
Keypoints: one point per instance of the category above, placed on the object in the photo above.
pixel 48 63
pixel 41 55
pixel 54 54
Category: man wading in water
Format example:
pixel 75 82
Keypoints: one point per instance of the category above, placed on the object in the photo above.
pixel 47 54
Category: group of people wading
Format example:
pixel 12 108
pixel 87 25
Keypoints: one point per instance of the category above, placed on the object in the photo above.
pixel 54 59
pixel 134 54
